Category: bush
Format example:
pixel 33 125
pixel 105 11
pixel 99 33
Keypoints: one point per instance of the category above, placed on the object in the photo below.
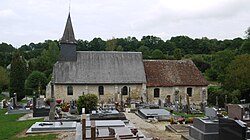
pixel 88 101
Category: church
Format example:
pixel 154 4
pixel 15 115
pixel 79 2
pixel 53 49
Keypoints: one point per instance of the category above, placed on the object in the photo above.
pixel 115 76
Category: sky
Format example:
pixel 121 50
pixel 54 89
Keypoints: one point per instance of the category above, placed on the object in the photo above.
pixel 26 21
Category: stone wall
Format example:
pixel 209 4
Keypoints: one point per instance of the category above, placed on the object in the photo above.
pixel 111 92
pixel 196 97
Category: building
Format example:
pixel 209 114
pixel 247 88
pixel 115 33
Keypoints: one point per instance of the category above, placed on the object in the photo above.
pixel 115 76
pixel 172 80
pixel 109 75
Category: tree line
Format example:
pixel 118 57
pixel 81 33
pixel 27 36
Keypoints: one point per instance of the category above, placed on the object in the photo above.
pixel 224 61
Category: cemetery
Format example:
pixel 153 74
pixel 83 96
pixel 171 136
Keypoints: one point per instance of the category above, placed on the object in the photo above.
pixel 108 122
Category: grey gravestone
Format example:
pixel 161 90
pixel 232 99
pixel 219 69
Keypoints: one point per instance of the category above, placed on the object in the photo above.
pixel 73 108
pixel 211 112
pixel 204 129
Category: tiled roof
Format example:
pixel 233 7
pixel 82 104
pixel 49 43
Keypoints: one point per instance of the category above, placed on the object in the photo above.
pixel 101 67
pixel 173 73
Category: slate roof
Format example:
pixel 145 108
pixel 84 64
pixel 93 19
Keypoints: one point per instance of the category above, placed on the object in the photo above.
pixel 102 67
pixel 68 35
pixel 165 73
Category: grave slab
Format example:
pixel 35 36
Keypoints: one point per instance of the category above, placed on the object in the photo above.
pixel 42 127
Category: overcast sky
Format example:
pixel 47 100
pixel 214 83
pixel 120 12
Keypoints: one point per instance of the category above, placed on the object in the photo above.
pixel 26 21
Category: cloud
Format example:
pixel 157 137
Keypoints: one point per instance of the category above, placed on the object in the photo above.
pixel 25 21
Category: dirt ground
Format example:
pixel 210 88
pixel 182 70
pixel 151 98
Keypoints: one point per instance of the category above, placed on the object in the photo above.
pixel 151 130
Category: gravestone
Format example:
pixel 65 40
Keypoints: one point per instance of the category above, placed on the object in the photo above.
pixel 230 129
pixel 73 108
pixel 211 113
pixel 204 129
pixel 235 111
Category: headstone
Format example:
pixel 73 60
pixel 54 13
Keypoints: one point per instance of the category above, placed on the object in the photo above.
pixel 230 129
pixel 83 110
pixel 211 112
pixel 217 101
pixel 133 106
pixel 1 105
pixel 204 129
pixel 235 111
pixel 159 102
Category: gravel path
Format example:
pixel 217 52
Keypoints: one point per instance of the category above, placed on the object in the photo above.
pixel 151 130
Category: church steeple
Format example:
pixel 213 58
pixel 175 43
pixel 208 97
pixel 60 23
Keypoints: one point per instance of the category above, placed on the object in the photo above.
pixel 68 43
pixel 68 35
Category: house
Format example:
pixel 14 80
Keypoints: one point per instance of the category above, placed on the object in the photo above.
pixel 172 80
pixel 116 76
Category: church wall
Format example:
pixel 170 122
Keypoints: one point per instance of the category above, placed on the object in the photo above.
pixel 196 97
pixel 111 92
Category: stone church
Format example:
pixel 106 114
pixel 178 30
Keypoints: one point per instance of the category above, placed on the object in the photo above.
pixel 115 76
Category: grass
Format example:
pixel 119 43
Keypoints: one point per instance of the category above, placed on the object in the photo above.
pixel 10 127
pixel 23 101
pixel 2 97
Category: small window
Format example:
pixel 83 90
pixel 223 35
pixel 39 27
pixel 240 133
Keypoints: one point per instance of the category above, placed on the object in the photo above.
pixel 125 90
pixel 101 90
pixel 189 92
pixel 70 90
pixel 156 93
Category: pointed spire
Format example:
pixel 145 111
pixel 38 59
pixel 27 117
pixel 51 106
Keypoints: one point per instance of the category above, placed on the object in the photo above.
pixel 68 35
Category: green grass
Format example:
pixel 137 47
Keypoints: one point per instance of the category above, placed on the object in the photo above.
pixel 23 101
pixel 2 97
pixel 10 127
pixel 41 137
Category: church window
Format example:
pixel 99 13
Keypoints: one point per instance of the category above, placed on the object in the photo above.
pixel 70 90
pixel 125 90
pixel 189 92
pixel 156 93
pixel 101 90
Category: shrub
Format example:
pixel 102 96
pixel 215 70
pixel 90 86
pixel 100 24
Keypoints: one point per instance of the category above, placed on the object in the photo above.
pixel 88 101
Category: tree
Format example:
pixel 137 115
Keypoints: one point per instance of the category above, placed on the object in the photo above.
pixel 145 51
pixel 245 47
pixel 36 81
pixel 111 44
pixel 237 76
pixel 97 44
pixel 4 79
pixel 157 54
pixel 248 33
pixel 220 61
pixel 201 64
pixel 17 76
pixel 87 101
pixel 48 58
pixel 177 54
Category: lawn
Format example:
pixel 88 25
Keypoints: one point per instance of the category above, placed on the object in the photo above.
pixel 2 97
pixel 10 127
pixel 23 101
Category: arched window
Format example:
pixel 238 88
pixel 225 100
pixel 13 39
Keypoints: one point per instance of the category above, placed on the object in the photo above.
pixel 125 90
pixel 70 90
pixel 101 90
pixel 156 93
pixel 189 92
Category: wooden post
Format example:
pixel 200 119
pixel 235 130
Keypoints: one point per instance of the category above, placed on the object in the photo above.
pixel 93 130
pixel 83 126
